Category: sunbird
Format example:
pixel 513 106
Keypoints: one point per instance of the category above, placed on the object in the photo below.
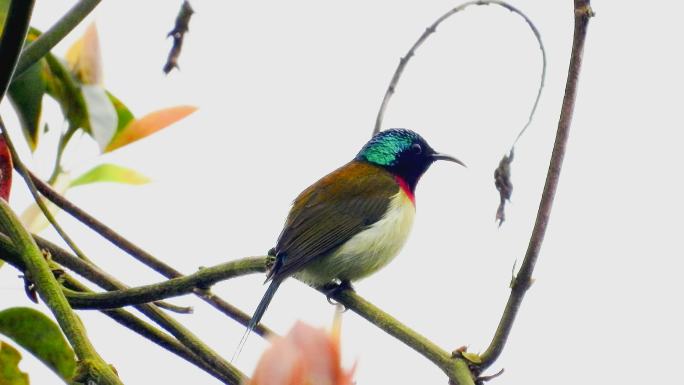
pixel 353 221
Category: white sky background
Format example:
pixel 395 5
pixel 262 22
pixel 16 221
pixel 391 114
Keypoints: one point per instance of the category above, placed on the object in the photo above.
pixel 288 91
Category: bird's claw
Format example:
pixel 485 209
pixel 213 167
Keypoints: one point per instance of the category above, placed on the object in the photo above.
pixel 332 289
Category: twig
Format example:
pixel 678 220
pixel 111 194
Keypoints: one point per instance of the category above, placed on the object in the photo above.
pixel 178 34
pixel 522 282
pixel 174 308
pixel 138 253
pixel 64 139
pixel 432 29
pixel 43 44
pixel 502 174
pixel 170 288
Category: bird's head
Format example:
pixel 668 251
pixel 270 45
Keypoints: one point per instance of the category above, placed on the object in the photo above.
pixel 402 152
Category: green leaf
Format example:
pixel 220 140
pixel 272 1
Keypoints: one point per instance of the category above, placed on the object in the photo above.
pixel 110 173
pixel 123 114
pixel 101 115
pixel 26 94
pixel 39 335
pixel 9 366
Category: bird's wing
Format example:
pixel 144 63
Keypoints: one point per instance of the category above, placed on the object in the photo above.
pixel 331 211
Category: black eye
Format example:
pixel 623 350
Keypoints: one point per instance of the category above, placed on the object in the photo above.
pixel 416 149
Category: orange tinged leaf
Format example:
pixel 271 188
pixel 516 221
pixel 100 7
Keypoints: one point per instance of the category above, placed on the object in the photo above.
pixel 148 125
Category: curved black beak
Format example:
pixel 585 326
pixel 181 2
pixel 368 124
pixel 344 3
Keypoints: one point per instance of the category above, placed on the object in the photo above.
pixel 438 156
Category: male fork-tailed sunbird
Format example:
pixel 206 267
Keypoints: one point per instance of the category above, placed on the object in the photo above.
pixel 353 221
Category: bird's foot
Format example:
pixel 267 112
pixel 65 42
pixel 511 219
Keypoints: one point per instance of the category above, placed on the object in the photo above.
pixel 332 289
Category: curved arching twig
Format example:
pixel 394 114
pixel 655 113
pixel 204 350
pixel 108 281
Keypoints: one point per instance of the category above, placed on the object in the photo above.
pixel 432 29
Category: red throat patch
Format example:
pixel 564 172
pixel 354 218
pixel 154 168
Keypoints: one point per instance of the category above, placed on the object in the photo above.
pixel 405 188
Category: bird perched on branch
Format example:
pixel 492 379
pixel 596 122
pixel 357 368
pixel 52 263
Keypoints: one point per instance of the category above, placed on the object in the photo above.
pixel 354 220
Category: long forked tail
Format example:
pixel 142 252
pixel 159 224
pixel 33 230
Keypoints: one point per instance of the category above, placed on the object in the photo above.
pixel 258 313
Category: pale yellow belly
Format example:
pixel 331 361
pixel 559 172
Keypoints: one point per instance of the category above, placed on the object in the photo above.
pixel 367 251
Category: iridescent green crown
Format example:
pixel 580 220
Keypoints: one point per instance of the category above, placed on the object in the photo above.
pixel 384 147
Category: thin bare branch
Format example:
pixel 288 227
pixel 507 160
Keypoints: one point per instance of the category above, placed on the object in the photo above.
pixel 523 280
pixel 432 29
